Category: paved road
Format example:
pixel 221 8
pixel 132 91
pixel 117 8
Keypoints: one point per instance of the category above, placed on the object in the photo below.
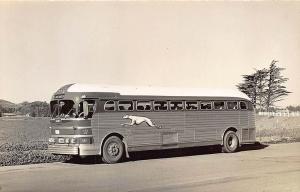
pixel 273 168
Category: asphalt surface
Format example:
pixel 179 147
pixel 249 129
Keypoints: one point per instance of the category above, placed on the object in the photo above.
pixel 255 168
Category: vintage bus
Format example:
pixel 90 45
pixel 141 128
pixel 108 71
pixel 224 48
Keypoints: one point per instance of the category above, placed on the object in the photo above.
pixel 111 121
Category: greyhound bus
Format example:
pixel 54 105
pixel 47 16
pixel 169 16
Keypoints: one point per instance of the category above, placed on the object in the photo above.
pixel 111 121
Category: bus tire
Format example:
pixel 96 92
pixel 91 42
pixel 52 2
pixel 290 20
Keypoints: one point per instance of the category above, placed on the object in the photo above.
pixel 230 142
pixel 113 150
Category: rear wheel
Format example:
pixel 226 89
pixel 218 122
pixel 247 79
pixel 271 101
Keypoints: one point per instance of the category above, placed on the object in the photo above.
pixel 230 142
pixel 113 150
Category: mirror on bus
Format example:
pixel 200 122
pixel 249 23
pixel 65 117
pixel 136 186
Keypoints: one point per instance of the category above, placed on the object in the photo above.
pixel 85 109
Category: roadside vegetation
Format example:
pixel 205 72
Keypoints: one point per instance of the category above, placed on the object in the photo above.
pixel 24 141
pixel 277 129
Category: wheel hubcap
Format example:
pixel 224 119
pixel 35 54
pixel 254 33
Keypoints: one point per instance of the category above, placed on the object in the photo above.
pixel 232 142
pixel 113 149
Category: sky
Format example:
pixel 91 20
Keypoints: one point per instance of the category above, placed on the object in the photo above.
pixel 45 45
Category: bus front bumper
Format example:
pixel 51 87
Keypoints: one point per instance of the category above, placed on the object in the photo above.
pixel 63 149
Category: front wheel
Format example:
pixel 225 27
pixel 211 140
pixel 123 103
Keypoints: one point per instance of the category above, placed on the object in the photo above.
pixel 230 142
pixel 113 150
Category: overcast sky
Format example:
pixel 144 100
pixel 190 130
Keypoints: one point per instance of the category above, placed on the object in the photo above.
pixel 185 44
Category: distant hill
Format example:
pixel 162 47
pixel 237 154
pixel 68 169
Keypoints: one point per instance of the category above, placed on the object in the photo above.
pixel 34 109
pixel 6 104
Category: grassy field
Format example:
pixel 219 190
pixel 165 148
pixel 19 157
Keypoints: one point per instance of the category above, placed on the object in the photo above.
pixel 24 141
pixel 277 129
pixel 24 130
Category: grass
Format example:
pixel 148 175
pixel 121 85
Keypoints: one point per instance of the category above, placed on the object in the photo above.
pixel 25 141
pixel 277 129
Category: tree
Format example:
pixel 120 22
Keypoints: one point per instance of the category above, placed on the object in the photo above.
pixel 293 108
pixel 36 108
pixel 265 86
pixel 254 85
pixel 275 90
pixel 261 76
pixel 249 87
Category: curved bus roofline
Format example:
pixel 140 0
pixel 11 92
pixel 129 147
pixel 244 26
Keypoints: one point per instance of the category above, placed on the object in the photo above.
pixel 113 90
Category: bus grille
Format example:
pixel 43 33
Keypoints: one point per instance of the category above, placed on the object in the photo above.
pixel 63 149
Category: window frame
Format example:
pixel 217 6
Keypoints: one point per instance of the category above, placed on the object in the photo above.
pixel 197 103
pixel 118 105
pixel 136 105
pixel 182 102
pixel 211 105
pixel 90 102
pixel 240 105
pixel 167 105
pixel 115 105
pixel 237 106
pixel 219 109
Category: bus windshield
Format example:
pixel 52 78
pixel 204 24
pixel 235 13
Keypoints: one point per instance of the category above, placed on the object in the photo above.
pixel 63 109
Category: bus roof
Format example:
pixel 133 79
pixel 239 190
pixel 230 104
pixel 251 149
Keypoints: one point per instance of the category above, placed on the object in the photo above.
pixel 156 91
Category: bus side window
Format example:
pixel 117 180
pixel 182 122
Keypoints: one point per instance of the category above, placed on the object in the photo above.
pixel 219 105
pixel 125 106
pixel 109 106
pixel 191 105
pixel 176 105
pixel 143 105
pixel 243 105
pixel 205 106
pixel 160 105
pixel 232 105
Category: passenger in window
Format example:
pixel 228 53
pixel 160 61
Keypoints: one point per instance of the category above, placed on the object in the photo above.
pixel 173 106
pixel 219 105
pixel 243 105
pixel 163 106
pixel 160 106
pixel 191 106
pixel 232 105
pixel 205 106
pixel 188 107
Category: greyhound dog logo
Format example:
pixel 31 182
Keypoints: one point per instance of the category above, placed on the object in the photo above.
pixel 136 120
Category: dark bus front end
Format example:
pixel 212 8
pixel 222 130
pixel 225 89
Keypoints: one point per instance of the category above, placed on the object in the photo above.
pixel 70 124
pixel 71 137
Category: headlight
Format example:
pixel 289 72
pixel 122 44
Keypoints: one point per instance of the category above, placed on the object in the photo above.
pixel 51 140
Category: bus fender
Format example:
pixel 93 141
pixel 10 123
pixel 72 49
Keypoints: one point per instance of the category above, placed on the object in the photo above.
pixel 231 129
pixel 126 148
pixel 124 142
